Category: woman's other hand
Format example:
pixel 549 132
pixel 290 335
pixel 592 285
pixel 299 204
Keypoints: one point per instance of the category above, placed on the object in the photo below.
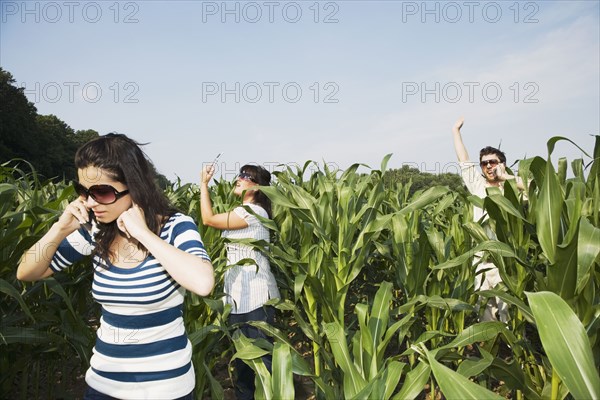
pixel 207 173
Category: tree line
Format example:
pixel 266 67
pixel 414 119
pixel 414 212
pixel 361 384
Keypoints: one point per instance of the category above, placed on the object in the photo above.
pixel 44 141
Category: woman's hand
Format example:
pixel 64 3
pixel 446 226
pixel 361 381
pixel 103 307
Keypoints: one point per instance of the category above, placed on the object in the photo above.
pixel 458 124
pixel 207 173
pixel 35 263
pixel 73 216
pixel 132 222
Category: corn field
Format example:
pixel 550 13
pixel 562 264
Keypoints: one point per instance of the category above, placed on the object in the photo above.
pixel 377 284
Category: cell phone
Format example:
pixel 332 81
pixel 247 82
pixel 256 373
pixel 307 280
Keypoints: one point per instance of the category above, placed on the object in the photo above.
pixel 216 159
pixel 91 217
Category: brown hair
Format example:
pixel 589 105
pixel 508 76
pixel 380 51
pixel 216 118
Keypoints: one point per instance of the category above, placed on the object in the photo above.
pixel 492 150
pixel 262 177
pixel 123 159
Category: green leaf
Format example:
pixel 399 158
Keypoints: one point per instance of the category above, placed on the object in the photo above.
pixel 587 251
pixel 216 389
pixel 514 377
pixel 566 343
pixel 282 377
pixel 552 142
pixel 414 383
pixel 10 290
pixel 384 162
pixel 547 212
pixel 493 246
pixel 473 367
pixel 251 355
pixel 507 298
pixel 562 275
pixel 354 382
pixel 429 196
pixel 13 334
pixel 479 332
pixel 455 386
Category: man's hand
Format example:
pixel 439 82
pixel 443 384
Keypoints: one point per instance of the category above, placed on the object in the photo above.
pixel 500 173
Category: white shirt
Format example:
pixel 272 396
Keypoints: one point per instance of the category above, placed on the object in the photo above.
pixel 248 287
pixel 475 183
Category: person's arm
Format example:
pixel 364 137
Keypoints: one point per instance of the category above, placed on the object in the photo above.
pixel 35 263
pixel 221 221
pixel 192 271
pixel 459 146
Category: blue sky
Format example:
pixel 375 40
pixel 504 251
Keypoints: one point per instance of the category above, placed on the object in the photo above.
pixel 280 82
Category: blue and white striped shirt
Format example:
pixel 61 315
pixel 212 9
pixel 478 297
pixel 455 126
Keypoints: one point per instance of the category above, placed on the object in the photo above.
pixel 142 350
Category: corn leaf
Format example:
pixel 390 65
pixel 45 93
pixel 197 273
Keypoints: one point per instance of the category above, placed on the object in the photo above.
pixel 566 343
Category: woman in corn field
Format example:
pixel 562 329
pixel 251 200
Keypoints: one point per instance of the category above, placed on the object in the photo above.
pixel 249 286
pixel 145 254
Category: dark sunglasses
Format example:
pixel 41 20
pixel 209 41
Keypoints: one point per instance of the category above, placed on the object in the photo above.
pixel 102 194
pixel 485 163
pixel 246 177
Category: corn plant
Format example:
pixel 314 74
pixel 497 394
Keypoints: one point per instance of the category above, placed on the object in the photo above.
pixel 378 280
pixel 325 230
pixel 547 241
pixel 46 324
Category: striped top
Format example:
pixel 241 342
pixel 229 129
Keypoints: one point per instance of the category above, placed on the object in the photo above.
pixel 142 350
pixel 248 287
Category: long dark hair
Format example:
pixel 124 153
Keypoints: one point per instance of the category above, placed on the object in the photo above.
pixel 262 177
pixel 125 162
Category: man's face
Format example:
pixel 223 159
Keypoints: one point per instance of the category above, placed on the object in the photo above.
pixel 488 163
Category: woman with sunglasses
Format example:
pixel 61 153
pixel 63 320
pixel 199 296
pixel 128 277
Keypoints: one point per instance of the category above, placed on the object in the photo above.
pixel 493 174
pixel 247 286
pixel 145 255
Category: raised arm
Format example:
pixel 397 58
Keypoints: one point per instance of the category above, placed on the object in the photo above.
pixel 35 263
pixel 459 146
pixel 222 221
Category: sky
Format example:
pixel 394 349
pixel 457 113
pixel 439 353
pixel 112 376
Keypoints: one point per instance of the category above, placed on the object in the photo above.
pixel 278 83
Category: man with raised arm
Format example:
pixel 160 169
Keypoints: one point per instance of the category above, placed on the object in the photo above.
pixel 493 174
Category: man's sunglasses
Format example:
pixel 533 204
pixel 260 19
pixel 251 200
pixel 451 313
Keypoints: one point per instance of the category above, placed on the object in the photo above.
pixel 246 177
pixel 102 194
pixel 485 163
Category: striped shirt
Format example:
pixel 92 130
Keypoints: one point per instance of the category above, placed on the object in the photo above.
pixel 248 287
pixel 142 350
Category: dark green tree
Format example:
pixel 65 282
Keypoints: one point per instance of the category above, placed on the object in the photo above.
pixel 58 140
pixel 45 141
pixel 422 180
pixel 18 126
